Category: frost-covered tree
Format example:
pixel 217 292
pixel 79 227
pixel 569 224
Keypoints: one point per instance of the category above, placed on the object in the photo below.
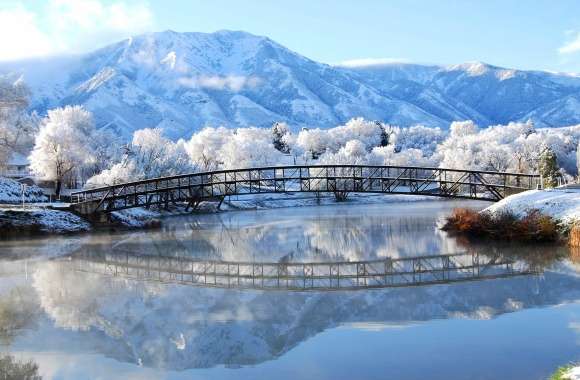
pixel 249 147
pixel 463 128
pixel 549 168
pixel 203 147
pixel 367 132
pixel 214 148
pixel 313 142
pixel 389 156
pixel 64 143
pixel 150 154
pixel 418 137
pixel 107 148
pixel 352 153
pixel 279 130
pixel 512 147
pixel 17 126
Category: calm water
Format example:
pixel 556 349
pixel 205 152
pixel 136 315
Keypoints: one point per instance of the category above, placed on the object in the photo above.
pixel 77 322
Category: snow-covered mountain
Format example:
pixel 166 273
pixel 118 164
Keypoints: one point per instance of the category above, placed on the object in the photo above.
pixel 184 81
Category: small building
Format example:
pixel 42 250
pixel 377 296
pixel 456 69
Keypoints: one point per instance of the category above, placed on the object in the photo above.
pixel 17 167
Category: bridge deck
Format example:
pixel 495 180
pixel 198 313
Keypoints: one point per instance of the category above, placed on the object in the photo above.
pixel 338 179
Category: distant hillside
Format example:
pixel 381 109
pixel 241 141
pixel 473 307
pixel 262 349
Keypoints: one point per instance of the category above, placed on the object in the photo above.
pixel 184 81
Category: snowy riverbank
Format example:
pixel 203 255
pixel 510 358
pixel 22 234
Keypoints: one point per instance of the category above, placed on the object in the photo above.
pixel 562 204
pixel 39 220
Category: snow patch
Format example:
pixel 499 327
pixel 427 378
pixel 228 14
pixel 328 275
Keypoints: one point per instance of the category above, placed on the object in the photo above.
pixel 560 204
pixel 97 80
pixel 135 217
pixel 169 60
pixel 472 68
pixel 505 74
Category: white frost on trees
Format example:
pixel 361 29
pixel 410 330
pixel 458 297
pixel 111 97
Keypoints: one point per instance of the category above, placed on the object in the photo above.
pixel 66 143
pixel 249 147
pixel 313 142
pixel 17 126
pixel 149 155
pixel 203 147
pixel 513 147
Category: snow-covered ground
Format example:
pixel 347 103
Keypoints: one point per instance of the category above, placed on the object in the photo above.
pixel 562 204
pixel 135 217
pixel 11 192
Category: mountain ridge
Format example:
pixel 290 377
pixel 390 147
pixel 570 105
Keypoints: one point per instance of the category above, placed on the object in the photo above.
pixel 185 81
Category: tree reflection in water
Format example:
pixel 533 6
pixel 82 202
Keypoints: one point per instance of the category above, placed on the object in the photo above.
pixel 12 369
pixel 165 325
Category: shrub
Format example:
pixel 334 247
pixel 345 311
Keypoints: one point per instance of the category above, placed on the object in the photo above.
pixel 561 373
pixel 533 227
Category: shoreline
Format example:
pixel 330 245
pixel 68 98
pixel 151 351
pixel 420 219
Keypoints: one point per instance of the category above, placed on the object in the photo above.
pixel 33 220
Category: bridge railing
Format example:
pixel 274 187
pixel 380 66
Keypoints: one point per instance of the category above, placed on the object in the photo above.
pixel 314 178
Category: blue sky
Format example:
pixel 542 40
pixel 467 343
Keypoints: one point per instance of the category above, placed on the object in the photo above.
pixel 529 34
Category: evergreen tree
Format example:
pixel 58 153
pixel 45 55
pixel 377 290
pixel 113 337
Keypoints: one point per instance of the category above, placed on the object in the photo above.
pixel 549 169
pixel 279 130
pixel 384 135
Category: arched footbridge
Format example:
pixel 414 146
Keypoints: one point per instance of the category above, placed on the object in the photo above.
pixel 338 179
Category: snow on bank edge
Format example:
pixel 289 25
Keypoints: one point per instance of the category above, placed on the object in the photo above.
pixel 11 192
pixel 42 220
pixel 135 217
pixel 560 204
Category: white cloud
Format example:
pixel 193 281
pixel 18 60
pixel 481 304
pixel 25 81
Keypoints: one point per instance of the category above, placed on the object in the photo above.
pixel 69 26
pixel 21 35
pixel 232 82
pixel 97 16
pixel 364 62
pixel 571 46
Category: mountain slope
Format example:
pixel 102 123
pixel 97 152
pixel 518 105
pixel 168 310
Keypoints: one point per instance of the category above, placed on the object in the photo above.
pixel 185 81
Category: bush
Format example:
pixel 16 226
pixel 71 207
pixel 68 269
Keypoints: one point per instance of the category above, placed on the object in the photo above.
pixel 561 373
pixel 533 227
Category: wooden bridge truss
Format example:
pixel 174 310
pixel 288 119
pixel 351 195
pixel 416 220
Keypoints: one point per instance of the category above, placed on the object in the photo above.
pixel 338 179
pixel 321 276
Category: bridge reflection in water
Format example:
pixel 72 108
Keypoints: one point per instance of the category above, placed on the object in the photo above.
pixel 311 276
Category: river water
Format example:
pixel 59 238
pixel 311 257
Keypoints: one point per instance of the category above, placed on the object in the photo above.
pixel 117 305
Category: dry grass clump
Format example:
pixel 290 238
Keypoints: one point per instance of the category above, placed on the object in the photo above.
pixel 574 239
pixel 533 227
